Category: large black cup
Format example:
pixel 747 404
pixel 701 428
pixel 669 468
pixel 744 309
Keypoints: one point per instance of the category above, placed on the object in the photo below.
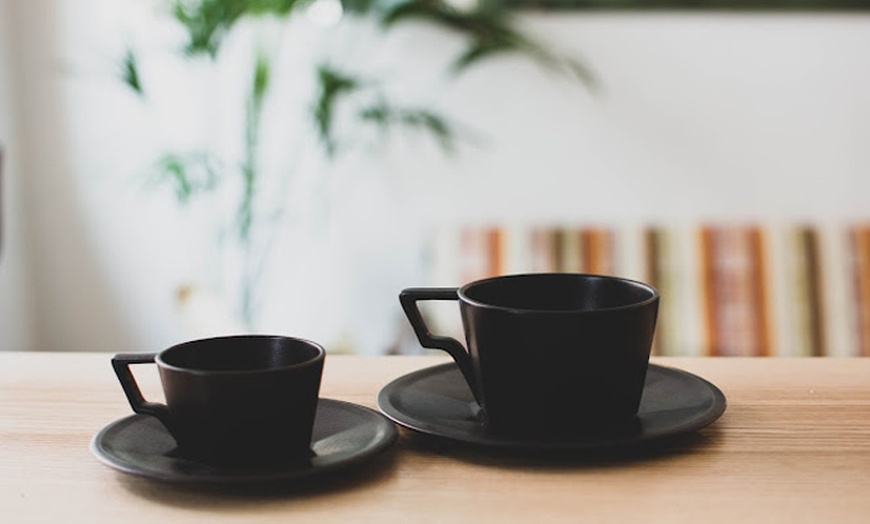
pixel 239 399
pixel 549 353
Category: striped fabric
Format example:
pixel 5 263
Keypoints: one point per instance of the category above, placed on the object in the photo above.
pixel 727 289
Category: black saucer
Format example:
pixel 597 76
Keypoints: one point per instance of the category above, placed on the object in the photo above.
pixel 437 401
pixel 344 435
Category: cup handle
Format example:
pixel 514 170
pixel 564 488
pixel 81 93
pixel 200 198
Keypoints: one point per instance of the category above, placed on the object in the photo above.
pixel 121 364
pixel 409 298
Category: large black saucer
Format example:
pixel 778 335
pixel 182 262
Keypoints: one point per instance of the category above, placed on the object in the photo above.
pixel 436 401
pixel 344 435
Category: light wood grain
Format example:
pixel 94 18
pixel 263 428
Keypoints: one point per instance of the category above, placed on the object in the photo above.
pixel 793 446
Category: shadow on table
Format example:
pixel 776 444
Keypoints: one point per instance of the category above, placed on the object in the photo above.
pixel 220 496
pixel 682 445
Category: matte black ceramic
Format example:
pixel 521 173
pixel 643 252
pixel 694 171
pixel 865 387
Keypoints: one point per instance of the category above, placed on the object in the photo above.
pixel 549 353
pixel 239 399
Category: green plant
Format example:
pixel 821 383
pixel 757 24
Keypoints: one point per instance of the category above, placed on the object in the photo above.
pixel 487 29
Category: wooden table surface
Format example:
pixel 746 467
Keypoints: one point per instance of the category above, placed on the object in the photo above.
pixel 793 446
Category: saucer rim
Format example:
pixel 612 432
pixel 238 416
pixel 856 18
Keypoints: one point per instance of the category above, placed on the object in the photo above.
pixel 385 436
pixel 698 421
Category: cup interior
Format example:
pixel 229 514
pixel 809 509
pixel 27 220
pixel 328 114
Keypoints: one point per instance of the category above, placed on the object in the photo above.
pixel 558 292
pixel 241 354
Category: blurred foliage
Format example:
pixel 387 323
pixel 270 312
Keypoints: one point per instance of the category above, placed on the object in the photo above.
pixel 188 174
pixel 486 28
pixel 387 116
pixel 489 29
pixel 332 86
pixel 130 72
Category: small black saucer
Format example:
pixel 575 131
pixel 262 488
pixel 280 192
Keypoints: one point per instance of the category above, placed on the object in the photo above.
pixel 437 401
pixel 344 434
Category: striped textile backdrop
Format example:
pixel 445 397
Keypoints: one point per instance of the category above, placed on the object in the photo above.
pixel 730 290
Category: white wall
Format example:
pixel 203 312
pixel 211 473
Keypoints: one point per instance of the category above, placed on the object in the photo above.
pixel 722 116
pixel 65 302
pixel 700 115
pixel 16 315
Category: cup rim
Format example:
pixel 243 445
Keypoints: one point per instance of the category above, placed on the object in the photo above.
pixel 654 294
pixel 319 357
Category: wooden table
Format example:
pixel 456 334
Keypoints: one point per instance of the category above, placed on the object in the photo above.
pixel 793 446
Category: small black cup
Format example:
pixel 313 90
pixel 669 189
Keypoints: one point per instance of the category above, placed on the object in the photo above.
pixel 550 354
pixel 234 400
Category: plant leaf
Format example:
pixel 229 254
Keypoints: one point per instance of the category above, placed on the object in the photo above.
pixel 262 74
pixel 332 86
pixel 435 11
pixel 206 22
pixel 130 72
pixel 271 7
pixel 187 174
pixel 386 117
pixel 489 29
pixel 360 6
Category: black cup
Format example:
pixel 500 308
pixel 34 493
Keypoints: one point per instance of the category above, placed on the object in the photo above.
pixel 549 353
pixel 234 400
